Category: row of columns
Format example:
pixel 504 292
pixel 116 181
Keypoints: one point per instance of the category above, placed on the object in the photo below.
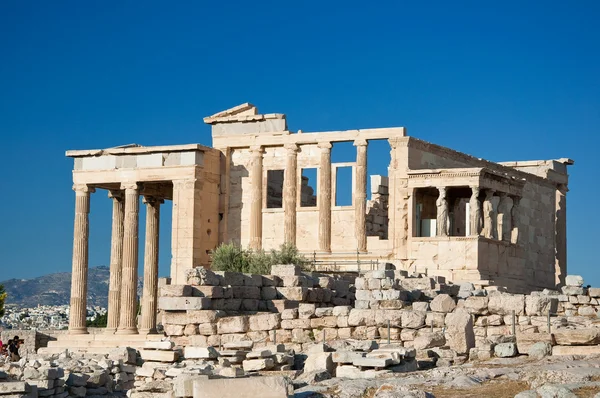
pixel 500 223
pixel 323 199
pixel 122 296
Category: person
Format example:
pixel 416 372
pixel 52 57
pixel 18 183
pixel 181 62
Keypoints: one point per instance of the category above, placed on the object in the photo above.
pixel 13 349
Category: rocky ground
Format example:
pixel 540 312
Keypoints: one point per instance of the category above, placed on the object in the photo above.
pixel 520 377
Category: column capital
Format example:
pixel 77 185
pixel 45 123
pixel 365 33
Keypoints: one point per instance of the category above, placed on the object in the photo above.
pixel 475 190
pixel 360 142
pixel 115 194
pixel 130 185
pixel 502 195
pixel 442 191
pixel 152 200
pixel 83 188
pixel 324 145
pixel 257 150
pixel 489 192
pixel 292 149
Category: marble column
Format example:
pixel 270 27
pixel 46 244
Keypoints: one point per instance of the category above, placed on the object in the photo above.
pixel 360 195
pixel 150 293
pixel 324 197
pixel 474 212
pixel 504 224
pixel 560 238
pixel 128 313
pixel 116 260
pixel 290 179
pixel 442 213
pixel 256 180
pixel 514 216
pixel 489 215
pixel 78 308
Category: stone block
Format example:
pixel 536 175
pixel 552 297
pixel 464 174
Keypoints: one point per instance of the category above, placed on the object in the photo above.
pixel 176 291
pixel 429 340
pixel 230 278
pixel 476 305
pixel 184 303
pixel 216 292
pixel 292 293
pixel 253 280
pixel 227 304
pixel 372 362
pixel 391 304
pixel 459 334
pixel 306 310
pixel 264 322
pixel 268 293
pixel 183 385
pixel 250 305
pixel 394 317
pixel 594 292
pixel 323 311
pixel 572 290
pixel 586 310
pixel 207 329
pixel 173 330
pixel 505 350
pixel 324 322
pixel 291 313
pixel 282 270
pixel 413 319
pixel 574 280
pixel 297 281
pixel 421 306
pixel 271 280
pixel 361 318
pixel 233 324
pixel 295 324
pixel 341 310
pixel 577 337
pixel 539 350
pixel 192 316
pixel 158 356
pixel 191 352
pixel 540 305
pixel 319 361
pixel 251 365
pixel 504 304
pixel 575 350
pixel 526 340
pixel 246 292
pixel 346 356
pixel 251 387
pixel 442 303
pixel 158 345
pixel 14 387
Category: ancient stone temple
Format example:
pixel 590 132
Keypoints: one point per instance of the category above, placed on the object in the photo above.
pixel 438 211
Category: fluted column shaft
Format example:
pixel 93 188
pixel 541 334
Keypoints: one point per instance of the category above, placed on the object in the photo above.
pixel 127 318
pixel 489 219
pixel 324 199
pixel 78 308
pixel 116 260
pixel 149 297
pixel 256 177
pixel 289 194
pixel 474 212
pixel 442 213
pixel 360 195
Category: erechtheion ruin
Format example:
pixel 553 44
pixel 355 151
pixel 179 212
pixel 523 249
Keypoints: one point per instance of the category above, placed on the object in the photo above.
pixel 438 211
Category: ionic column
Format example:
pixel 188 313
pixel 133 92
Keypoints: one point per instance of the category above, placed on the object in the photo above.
pixel 489 219
pixel 149 297
pixel 127 318
pixel 290 179
pixel 78 308
pixel 116 260
pixel 324 199
pixel 474 212
pixel 514 215
pixel 560 238
pixel 256 177
pixel 504 226
pixel 360 195
pixel 442 213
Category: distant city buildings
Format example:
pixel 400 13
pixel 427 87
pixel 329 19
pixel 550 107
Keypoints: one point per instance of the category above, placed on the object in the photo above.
pixel 43 317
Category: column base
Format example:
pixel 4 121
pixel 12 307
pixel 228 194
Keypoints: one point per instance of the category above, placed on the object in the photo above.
pixel 148 331
pixel 109 331
pixel 127 331
pixel 82 330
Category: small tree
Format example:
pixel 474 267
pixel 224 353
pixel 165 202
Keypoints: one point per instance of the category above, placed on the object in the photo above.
pixel 231 257
pixel 2 299
pixel 288 254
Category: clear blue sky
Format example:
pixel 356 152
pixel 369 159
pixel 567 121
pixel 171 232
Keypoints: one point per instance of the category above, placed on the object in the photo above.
pixel 515 80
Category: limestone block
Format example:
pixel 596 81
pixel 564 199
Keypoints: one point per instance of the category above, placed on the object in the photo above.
pixel 268 293
pixel 388 283
pixel 251 365
pixel 380 274
pixel 526 340
pixel 271 280
pixel 192 316
pixel 325 322
pixel 393 316
pixel 341 286
pixel 158 356
pixel 344 333
pixel 540 305
pixel 363 295
pixel 173 330
pixel 438 319
pixel 323 311
pixel 253 280
pixel 429 340
pixel 413 319
pixel 341 310
pixel 365 332
pixel 158 345
pixel 306 310
pixel 574 280
pixel 246 292
pixel 342 321
pixel 200 352
pixel 572 290
pixel 504 304
pixel 290 313
pixel 539 350
pixel 295 324
pixel 302 335
pixel 216 292
pixel 14 387
pixel 421 306
pixel 393 332
pixel 577 337
pixel 408 334
pixel 280 305
pixel 594 292
pixel 319 361
pixel 233 324
pixel 184 303
pixel 227 304
pixel 230 278
pixel 325 282
pixel 250 305
pixel 251 387
pixel 443 303
pixel 183 384
pixel 283 270
pixel 586 310
pixel 583 299
pixel 505 350
pixel 346 356
pixel 576 350
pixel 292 293
pixel 360 283
pixel 362 304
pixel 361 318
pixel 373 284
pixel 264 322
pixel 207 329
pixel 373 362
pixel 459 334
pixel 297 281
pixel 391 304
pixel 476 305
pixel 190 329
pixel 176 290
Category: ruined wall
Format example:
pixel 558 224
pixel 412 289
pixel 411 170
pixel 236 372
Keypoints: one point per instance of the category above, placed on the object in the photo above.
pixel 377 220
pixel 239 194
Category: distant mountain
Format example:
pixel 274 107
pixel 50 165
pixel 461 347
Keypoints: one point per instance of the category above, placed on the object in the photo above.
pixel 55 289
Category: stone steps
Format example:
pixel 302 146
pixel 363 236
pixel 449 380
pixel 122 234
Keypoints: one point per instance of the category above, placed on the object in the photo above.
pixel 60 350
pixel 97 343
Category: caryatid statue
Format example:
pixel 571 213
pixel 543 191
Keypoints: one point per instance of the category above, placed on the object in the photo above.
pixel 489 215
pixel 442 213
pixel 475 211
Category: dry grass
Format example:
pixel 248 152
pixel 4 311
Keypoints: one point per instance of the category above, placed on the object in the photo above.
pixel 587 392
pixel 493 389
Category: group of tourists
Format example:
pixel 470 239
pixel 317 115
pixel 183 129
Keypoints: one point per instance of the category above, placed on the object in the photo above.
pixel 11 350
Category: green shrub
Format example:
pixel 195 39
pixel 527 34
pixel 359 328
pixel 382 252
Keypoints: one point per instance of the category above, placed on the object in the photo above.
pixel 231 257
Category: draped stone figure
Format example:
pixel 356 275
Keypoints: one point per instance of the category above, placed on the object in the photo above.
pixel 475 212
pixel 489 230
pixel 442 213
